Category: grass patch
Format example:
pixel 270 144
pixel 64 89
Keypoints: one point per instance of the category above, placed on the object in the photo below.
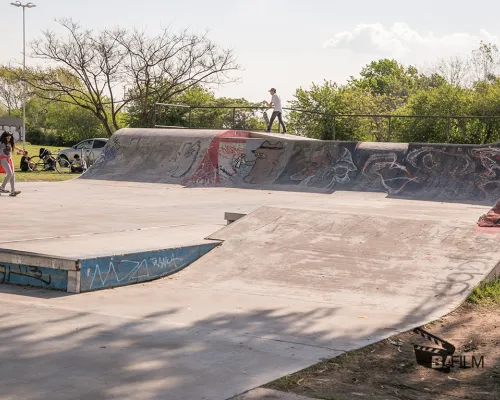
pixel 487 292
pixel 37 176
pixel 44 176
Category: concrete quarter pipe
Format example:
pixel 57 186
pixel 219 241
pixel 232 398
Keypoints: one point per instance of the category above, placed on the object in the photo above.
pixel 283 162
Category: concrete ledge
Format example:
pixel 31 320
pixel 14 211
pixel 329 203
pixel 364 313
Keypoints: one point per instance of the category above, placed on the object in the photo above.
pixel 38 260
pixel 94 273
pixel 232 217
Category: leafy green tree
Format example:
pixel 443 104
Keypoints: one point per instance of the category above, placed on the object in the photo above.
pixel 445 100
pixel 320 103
pixel 387 77
pixel 486 102
pixel 60 123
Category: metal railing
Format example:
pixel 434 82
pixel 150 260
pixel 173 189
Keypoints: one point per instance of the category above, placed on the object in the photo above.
pixel 390 118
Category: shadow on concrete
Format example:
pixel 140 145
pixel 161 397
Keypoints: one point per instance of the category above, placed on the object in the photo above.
pixel 31 292
pixel 56 352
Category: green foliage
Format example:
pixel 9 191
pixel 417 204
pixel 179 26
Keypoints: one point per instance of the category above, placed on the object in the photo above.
pixel 387 77
pixel 443 100
pixel 388 89
pixel 209 118
pixel 487 292
pixel 60 124
pixel 319 101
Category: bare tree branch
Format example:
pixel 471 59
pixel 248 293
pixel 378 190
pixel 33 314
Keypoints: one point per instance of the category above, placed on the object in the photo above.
pixel 89 69
pixel 11 89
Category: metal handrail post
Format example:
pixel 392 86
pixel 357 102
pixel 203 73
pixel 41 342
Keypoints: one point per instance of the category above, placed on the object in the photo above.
pixel 389 133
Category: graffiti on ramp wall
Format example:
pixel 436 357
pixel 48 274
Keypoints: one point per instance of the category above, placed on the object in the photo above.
pixel 266 161
pixel 185 159
pixel 321 169
pixel 384 171
pixel 235 159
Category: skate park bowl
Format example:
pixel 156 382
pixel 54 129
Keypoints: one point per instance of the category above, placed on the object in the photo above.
pixel 266 254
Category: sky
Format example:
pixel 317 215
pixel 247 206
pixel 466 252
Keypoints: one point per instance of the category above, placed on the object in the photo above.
pixel 284 44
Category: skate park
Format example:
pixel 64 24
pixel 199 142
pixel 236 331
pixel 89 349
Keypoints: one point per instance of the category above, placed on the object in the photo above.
pixel 195 264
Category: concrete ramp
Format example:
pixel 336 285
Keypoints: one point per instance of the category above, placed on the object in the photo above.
pixel 411 269
pixel 201 158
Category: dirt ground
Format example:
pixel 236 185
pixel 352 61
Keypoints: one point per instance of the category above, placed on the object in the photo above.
pixel 386 371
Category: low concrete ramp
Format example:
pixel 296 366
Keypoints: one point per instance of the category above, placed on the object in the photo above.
pixel 409 270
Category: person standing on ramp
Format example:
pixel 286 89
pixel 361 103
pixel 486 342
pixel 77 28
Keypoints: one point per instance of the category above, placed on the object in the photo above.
pixel 277 112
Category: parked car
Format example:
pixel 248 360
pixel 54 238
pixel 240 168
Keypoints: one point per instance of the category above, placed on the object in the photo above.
pixel 89 150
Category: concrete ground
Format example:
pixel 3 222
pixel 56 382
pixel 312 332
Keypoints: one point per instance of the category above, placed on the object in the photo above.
pixel 233 320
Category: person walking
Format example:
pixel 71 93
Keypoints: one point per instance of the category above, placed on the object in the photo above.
pixel 277 112
pixel 7 146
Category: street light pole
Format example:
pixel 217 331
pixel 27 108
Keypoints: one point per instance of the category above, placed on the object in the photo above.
pixel 24 6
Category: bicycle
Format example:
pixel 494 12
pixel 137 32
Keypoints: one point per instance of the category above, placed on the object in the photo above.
pixel 46 162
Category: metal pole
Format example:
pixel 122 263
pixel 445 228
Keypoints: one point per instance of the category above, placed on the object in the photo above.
pixel 189 117
pixel 154 116
pixel 24 6
pixel 389 133
pixel 234 118
pixel 334 119
pixel 24 78
pixel 449 127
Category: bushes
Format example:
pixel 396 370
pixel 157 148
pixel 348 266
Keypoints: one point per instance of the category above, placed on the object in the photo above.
pixel 37 137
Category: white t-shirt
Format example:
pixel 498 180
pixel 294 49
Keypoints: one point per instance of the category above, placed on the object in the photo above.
pixel 276 100
pixel 80 162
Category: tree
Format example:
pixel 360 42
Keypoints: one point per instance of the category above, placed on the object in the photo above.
pixel 219 117
pixel 441 101
pixel 455 70
pixel 363 102
pixel 486 62
pixel 92 68
pixel 11 89
pixel 486 102
pixel 320 102
pixel 387 77
pixel 482 64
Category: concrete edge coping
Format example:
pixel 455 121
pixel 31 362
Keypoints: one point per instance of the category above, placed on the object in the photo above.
pixel 38 260
pixel 494 273
pixel 73 264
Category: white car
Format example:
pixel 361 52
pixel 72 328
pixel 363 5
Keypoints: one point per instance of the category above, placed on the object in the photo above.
pixel 89 150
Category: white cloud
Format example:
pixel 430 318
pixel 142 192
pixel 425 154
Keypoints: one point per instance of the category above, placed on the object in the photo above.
pixel 401 40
